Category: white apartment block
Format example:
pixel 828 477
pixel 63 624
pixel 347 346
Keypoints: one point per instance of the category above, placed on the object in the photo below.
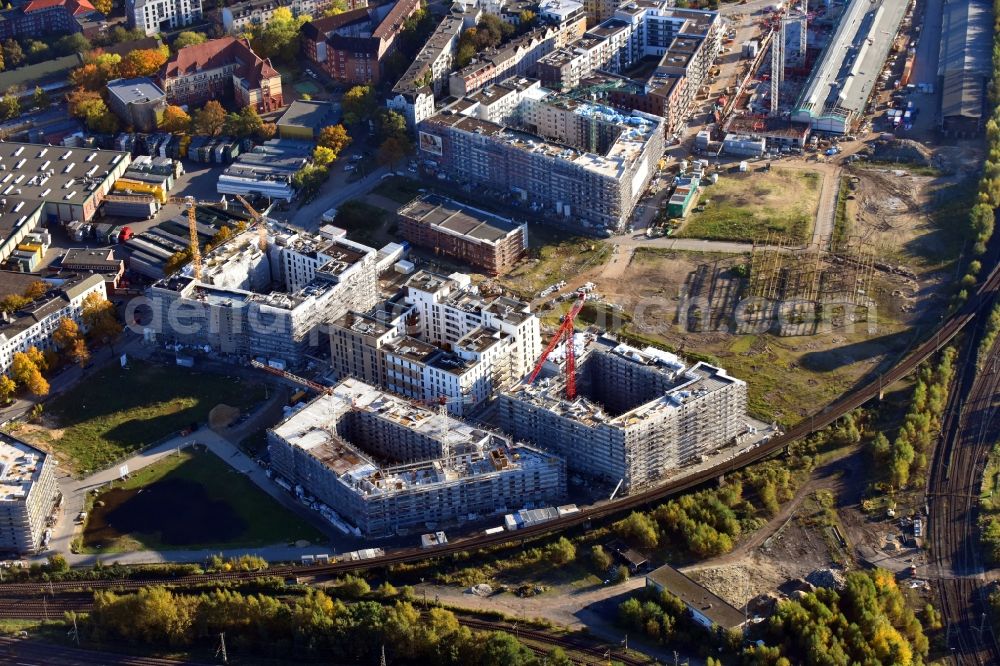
pixel 639 413
pixel 27 496
pixel 445 342
pixel 389 466
pixel 33 325
pixel 153 16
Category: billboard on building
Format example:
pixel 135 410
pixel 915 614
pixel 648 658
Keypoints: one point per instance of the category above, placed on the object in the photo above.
pixel 431 143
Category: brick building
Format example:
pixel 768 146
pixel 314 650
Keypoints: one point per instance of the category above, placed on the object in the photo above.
pixel 482 239
pixel 352 46
pixel 40 17
pixel 222 68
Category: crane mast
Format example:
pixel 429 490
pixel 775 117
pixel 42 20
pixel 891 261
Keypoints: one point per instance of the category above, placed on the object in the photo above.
pixel 566 331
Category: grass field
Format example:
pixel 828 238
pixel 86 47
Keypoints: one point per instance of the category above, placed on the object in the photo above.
pixel 742 207
pixel 116 412
pixel 553 257
pixel 229 510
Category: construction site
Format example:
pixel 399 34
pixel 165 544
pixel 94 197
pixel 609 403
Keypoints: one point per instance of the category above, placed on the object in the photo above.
pixel 375 464
pixel 623 415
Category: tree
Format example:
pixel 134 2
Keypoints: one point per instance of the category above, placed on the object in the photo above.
pixel 72 43
pixel 355 587
pixel 279 39
pixel 337 7
pixel 210 119
pixel 96 114
pixel 57 564
pixel 175 120
pixel 7 388
pixel 79 354
pixel 99 318
pixel 13 303
pixel 13 54
pixel 66 334
pixel 36 290
pixel 40 98
pixel 267 131
pixel 561 551
pixel 358 104
pixel 142 62
pixel 621 575
pixel 391 125
pixel 527 18
pixel 323 156
pixel 557 657
pixel 246 123
pixel 639 529
pixel 309 179
pixel 393 150
pixel 189 38
pixel 26 373
pixel 602 561
pixel 10 107
pixel 103 6
pixel 334 137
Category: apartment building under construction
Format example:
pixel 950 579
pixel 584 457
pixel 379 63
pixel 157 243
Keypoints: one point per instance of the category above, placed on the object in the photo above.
pixel 389 466
pixel 638 414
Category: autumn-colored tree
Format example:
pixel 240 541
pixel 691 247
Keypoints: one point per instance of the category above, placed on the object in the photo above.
pixel 142 62
pixel 334 137
pixel 323 156
pixel 78 98
pixel 79 353
pixel 26 373
pixel 7 388
pixel 66 334
pixel 393 150
pixel 279 39
pixel 97 116
pixel 36 290
pixel 210 119
pixel 2 63
pixel 103 6
pixel 13 54
pixel 38 358
pixel 100 318
pixel 358 104
pixel 40 98
pixel 175 120
pixel 10 107
pixel 13 303
pixel 267 131
pixel 246 123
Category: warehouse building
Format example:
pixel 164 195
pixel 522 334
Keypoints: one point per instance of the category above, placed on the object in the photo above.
pixel 234 310
pixel 638 413
pixel 267 169
pixel 443 342
pixel 303 119
pixel 33 324
pixel 965 66
pixel 45 184
pixel 836 94
pixel 482 239
pixel 706 608
pixel 29 493
pixel 388 466
pixel 584 165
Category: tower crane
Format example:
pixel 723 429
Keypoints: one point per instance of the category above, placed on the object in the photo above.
pixel 284 374
pixel 190 203
pixel 259 219
pixel 566 331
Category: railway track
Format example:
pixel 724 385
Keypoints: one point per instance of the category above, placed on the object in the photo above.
pixel 824 417
pixel 38 653
pixel 968 434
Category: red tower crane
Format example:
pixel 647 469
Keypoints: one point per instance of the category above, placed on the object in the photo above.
pixel 565 331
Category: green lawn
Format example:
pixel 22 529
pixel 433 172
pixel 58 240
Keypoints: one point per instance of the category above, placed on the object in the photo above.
pixel 264 522
pixel 399 189
pixel 116 411
pixel 745 206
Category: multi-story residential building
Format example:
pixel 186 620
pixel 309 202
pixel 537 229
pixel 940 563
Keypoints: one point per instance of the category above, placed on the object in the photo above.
pixel 388 466
pixel 426 78
pixel 582 164
pixel 153 16
pixel 485 240
pixel 352 46
pixel 28 493
pixel 232 309
pixel 638 413
pixel 241 17
pixel 222 68
pixel 33 325
pixel 40 17
pixel 448 342
pixel 138 102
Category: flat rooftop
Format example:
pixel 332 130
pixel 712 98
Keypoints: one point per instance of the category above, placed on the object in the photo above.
pixel 20 467
pixel 457 219
pixel 697 597
pixel 842 80
pixel 132 91
pixel 57 298
pixel 51 174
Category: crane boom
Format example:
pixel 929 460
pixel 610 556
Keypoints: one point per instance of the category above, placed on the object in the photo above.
pixel 284 374
pixel 193 237
pixel 566 328
pixel 259 219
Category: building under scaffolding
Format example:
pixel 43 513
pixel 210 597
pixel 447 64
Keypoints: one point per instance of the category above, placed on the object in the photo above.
pixel 638 414
pixel 389 466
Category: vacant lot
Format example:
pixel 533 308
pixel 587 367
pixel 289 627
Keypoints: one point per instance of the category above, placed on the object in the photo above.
pixel 745 206
pixel 119 411
pixel 190 500
pixel 553 257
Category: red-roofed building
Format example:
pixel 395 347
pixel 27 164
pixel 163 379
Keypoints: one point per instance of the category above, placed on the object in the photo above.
pixel 352 46
pixel 39 17
pixel 220 68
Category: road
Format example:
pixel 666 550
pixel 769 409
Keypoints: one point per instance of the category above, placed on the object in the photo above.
pixel 968 434
pixel 333 194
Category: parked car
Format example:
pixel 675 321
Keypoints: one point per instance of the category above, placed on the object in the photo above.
pixel 330 215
